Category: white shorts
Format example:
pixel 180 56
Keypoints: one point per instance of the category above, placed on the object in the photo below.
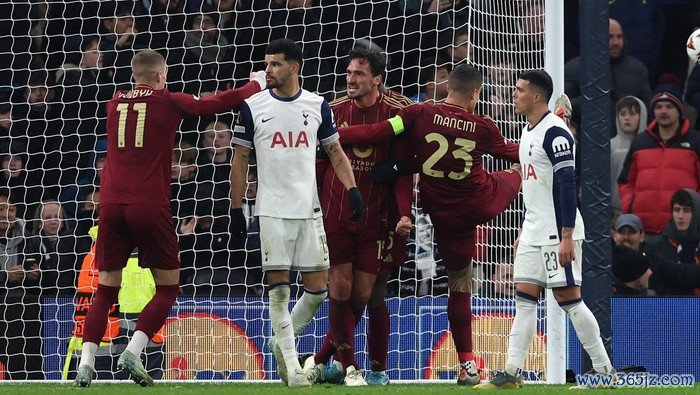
pixel 293 244
pixel 539 265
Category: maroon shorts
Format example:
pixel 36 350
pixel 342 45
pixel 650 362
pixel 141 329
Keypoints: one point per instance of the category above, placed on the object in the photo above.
pixel 394 252
pixel 455 232
pixel 123 227
pixel 352 242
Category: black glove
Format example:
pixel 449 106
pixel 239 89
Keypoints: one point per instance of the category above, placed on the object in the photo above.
pixel 356 203
pixel 389 170
pixel 238 225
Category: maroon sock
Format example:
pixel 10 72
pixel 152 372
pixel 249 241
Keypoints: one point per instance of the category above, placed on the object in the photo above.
pixel 327 349
pixel 342 322
pixel 378 336
pixel 459 313
pixel 153 316
pixel 96 319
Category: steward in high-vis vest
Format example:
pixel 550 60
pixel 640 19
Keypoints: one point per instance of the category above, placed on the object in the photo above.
pixel 137 289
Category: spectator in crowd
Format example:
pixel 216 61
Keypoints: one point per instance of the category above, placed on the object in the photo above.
pixel 659 162
pixel 214 159
pixel 50 244
pixel 457 45
pixel 643 23
pixel 13 176
pixel 434 80
pixel 204 248
pixel 634 259
pixel 207 57
pixel 88 212
pixel 119 41
pixel 183 186
pixel 531 26
pixel 679 244
pixel 86 87
pixel 20 326
pixel 630 77
pixel 498 88
pixel 38 118
pixel 630 119
pixel 670 83
pixel 5 122
pixel 500 281
pixel 630 264
pixel 70 194
pixel 13 272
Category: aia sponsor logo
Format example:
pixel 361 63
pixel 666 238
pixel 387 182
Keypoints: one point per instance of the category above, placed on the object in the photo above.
pixel 290 140
pixel 529 172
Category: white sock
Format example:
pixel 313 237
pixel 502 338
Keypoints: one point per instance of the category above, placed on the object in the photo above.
pixel 87 355
pixel 137 343
pixel 588 333
pixel 282 325
pixel 305 309
pixel 521 333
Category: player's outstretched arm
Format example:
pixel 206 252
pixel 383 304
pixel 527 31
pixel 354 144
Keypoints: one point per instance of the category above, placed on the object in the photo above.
pixel 239 168
pixel 343 169
pixel 215 104
pixel 500 147
pixel 372 133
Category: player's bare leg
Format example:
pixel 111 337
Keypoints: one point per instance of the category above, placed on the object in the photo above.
pixel 459 314
pixel 378 334
pixel 96 323
pixel 586 326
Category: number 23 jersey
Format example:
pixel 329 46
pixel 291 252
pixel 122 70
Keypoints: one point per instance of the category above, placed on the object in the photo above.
pixel 449 144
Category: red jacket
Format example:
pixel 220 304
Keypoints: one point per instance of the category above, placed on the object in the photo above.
pixel 654 171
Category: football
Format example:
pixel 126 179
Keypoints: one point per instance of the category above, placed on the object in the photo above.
pixel 693 46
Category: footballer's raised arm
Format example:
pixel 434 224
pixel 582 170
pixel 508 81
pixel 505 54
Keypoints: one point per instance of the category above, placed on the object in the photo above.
pixel 215 104
pixel 500 147
pixel 372 133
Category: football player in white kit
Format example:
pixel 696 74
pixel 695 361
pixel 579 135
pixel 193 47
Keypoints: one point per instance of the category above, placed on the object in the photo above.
pixel 548 248
pixel 284 123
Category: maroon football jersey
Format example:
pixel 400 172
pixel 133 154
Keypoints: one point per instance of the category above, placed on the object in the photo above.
pixel 449 143
pixel 141 127
pixel 363 157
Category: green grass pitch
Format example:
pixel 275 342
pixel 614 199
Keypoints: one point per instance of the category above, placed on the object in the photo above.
pixel 279 389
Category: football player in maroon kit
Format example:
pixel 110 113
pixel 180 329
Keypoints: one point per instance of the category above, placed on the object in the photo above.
pixel 135 202
pixel 456 191
pixel 357 249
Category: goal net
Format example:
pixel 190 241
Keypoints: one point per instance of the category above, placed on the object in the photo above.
pixel 62 61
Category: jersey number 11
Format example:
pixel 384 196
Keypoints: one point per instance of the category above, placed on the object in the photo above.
pixel 123 110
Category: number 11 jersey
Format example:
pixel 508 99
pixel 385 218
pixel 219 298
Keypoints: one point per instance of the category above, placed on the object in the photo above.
pixel 141 127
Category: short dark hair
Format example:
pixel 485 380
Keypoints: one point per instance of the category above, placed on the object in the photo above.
pixel 681 197
pixel 291 50
pixel 465 78
pixel 87 41
pixel 541 80
pixel 628 102
pixel 375 60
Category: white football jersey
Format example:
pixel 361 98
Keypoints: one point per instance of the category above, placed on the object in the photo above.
pixel 545 149
pixel 284 133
